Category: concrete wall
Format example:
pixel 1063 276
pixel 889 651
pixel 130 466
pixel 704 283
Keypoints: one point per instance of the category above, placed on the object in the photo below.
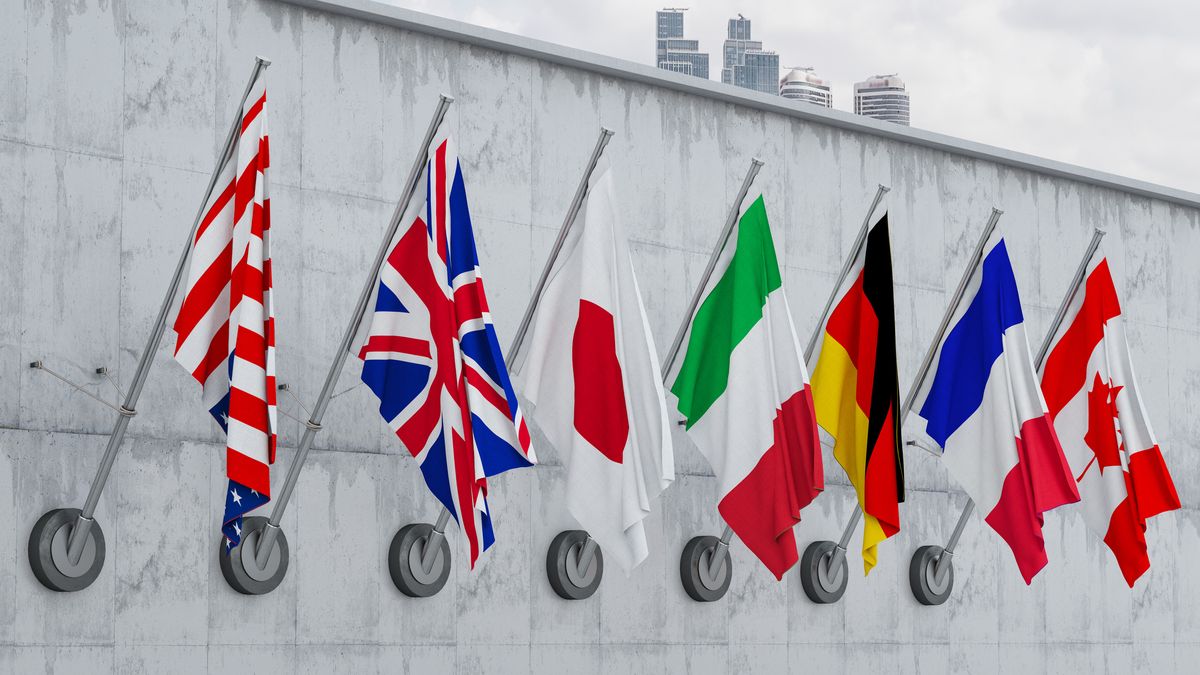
pixel 110 115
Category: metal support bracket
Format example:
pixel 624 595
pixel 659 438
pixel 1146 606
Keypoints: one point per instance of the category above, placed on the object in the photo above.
pixel 720 552
pixel 946 559
pixel 121 410
pixel 434 543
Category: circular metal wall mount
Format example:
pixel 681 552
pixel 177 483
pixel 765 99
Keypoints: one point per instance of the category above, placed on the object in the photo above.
pixel 48 552
pixel 702 583
pixel 239 564
pixel 407 567
pixel 823 572
pixel 923 577
pixel 563 568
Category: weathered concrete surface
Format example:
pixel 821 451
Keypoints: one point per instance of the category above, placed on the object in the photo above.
pixel 110 113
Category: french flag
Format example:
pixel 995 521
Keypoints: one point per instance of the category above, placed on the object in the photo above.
pixel 982 410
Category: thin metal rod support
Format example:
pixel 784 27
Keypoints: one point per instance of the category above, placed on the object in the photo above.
pixel 568 221
pixel 78 536
pixel 39 365
pixel 279 504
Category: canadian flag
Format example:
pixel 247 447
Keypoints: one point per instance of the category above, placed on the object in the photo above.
pixel 1100 417
pixel 592 373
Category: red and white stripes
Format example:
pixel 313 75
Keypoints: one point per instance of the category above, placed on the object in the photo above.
pixel 226 323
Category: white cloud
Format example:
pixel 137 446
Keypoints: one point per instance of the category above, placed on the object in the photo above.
pixel 1105 84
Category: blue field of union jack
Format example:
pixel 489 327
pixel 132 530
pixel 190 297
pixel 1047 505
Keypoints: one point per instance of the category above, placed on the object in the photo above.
pixel 432 358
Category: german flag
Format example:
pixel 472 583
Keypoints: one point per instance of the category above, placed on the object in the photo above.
pixel 856 392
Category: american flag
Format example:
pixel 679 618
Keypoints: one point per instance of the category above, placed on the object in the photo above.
pixel 431 356
pixel 225 330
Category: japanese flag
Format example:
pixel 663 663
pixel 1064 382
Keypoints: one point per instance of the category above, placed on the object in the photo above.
pixel 592 373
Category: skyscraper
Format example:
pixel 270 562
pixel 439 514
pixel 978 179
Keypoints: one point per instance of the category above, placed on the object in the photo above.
pixel 882 97
pixel 672 51
pixel 803 84
pixel 746 64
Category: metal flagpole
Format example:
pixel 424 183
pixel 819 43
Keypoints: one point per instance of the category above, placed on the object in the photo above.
pixel 859 241
pixel 269 534
pixel 976 258
pixel 717 557
pixel 572 212
pixel 1076 282
pixel 669 362
pixel 78 536
pixel 1097 235
pixel 432 545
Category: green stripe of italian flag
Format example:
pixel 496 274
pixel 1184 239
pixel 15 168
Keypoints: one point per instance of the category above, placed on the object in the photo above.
pixel 742 387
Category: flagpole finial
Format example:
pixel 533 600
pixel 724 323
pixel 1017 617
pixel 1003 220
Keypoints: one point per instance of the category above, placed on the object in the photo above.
pixel 263 60
pixel 884 188
pixel 1099 232
pixel 606 131
pixel 997 212
pixel 756 161
pixel 446 97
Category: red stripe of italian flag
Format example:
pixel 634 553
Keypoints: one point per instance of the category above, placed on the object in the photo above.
pixel 743 389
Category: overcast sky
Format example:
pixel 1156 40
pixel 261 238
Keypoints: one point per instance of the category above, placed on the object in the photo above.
pixel 1106 84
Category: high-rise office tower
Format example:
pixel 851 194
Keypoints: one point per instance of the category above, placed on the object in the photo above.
pixel 672 51
pixel 745 63
pixel 882 97
pixel 803 84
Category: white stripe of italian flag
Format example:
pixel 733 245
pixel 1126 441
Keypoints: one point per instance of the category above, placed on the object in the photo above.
pixel 743 388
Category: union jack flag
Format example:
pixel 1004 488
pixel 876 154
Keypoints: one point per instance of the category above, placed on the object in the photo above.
pixel 431 356
pixel 225 329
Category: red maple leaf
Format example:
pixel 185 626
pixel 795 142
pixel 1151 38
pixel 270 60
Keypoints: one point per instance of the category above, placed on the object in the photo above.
pixel 1101 435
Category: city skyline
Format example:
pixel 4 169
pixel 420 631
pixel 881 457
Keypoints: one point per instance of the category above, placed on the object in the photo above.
pixel 1108 68
pixel 673 51
pixel 745 63
pixel 802 83
pixel 882 97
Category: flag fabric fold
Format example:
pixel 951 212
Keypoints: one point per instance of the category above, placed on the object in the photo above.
pixel 743 389
pixel 591 372
pixel 1099 414
pixel 431 355
pixel 981 409
pixel 225 328
pixel 856 390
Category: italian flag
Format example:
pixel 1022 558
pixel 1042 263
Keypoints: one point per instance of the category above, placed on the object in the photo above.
pixel 743 390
